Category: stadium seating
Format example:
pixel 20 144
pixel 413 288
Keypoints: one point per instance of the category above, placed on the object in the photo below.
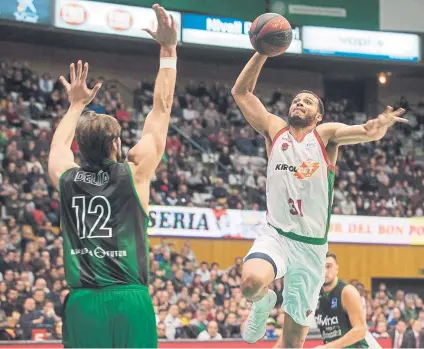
pixel 213 158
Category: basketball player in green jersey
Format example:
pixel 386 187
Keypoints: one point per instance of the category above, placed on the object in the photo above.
pixel 104 207
pixel 340 315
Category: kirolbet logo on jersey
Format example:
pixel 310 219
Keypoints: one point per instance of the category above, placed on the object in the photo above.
pixel 306 170
pixel 285 167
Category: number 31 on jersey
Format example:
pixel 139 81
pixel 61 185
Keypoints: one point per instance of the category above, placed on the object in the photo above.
pixel 295 207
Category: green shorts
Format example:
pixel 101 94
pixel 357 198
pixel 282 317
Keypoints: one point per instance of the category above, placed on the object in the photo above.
pixel 120 316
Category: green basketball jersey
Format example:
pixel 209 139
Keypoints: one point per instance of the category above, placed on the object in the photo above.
pixel 104 227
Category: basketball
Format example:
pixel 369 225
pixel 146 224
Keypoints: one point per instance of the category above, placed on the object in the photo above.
pixel 270 34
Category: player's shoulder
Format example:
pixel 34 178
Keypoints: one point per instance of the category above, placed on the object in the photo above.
pixel 276 126
pixel 350 292
pixel 70 172
pixel 135 173
pixel 326 131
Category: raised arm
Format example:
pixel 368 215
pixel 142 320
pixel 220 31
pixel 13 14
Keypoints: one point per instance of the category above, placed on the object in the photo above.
pixel 372 130
pixel 61 157
pixel 259 118
pixel 145 156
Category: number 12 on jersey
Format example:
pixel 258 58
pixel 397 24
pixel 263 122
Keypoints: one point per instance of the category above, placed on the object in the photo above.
pixel 295 207
pixel 98 208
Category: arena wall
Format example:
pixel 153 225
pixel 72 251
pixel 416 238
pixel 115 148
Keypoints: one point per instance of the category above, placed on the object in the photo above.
pixel 357 261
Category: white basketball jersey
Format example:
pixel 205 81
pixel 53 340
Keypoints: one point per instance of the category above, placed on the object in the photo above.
pixel 299 187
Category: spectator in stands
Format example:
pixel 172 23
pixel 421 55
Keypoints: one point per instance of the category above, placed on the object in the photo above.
pixel 211 333
pixel 219 295
pixel 12 304
pixel 270 329
pixel 172 322
pixel 189 113
pixel 30 318
pixel 348 206
pixel 415 337
pixel 409 311
pixel 418 304
pixel 421 317
pixel 219 192
pixel 394 317
pixel 244 144
pixel 397 335
pixel 203 272
pixel 188 273
pixel 161 331
pixel 200 321
pixel 381 330
pixel 57 332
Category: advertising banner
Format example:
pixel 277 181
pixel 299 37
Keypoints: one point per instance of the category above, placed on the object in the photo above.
pixel 224 32
pixel 246 9
pixel 29 11
pixel 104 18
pixel 411 19
pixel 236 224
pixel 358 14
pixel 361 44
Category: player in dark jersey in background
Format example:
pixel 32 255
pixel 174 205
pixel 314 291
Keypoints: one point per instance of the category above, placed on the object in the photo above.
pixel 104 207
pixel 340 315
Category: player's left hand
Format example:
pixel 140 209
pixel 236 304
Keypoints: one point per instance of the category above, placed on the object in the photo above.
pixel 78 92
pixel 166 33
pixel 389 117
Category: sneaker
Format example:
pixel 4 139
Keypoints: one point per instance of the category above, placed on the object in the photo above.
pixel 255 326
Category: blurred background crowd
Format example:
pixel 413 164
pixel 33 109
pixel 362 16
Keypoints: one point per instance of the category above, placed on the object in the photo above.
pixel 212 158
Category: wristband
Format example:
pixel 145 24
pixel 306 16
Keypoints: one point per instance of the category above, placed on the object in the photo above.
pixel 168 63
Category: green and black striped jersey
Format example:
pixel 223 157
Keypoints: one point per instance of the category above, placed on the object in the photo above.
pixel 104 227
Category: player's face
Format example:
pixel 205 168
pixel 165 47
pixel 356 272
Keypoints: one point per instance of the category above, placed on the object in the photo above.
pixel 331 270
pixel 303 111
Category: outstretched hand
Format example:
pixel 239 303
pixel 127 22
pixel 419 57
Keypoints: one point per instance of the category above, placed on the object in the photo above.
pixel 78 92
pixel 389 117
pixel 166 33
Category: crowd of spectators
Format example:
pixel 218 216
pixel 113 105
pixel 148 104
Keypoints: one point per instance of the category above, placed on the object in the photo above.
pixel 198 300
pixel 191 300
pixel 379 178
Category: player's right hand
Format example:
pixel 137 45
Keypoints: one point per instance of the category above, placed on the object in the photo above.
pixel 166 34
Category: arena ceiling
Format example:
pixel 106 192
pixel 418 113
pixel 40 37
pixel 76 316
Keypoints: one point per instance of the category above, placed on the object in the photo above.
pixel 330 67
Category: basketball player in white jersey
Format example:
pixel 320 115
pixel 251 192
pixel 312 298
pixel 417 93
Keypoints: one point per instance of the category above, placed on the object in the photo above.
pixel 301 160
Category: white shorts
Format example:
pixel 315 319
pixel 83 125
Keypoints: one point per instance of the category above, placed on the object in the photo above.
pixel 302 265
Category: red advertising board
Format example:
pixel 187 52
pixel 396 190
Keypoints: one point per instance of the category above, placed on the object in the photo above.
pixel 310 343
